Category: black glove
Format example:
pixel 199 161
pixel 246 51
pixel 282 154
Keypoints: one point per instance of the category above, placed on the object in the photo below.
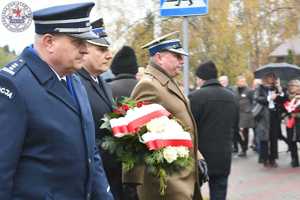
pixel 203 172
pixel 130 191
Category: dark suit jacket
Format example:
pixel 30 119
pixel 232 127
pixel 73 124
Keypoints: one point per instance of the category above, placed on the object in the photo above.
pixel 47 136
pixel 100 98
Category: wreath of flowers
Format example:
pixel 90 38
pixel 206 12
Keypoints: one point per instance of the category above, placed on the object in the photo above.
pixel 144 133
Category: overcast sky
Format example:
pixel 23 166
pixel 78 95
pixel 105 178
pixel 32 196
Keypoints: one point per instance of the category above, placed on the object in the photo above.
pixel 17 41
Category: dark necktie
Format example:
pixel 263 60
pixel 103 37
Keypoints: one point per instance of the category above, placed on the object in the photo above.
pixel 64 83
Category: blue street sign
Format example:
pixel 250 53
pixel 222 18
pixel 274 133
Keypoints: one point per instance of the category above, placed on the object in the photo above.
pixel 183 7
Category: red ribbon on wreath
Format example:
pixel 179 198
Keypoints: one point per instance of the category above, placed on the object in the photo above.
pixel 158 144
pixel 134 125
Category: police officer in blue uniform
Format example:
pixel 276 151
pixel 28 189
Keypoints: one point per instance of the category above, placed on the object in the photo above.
pixel 47 134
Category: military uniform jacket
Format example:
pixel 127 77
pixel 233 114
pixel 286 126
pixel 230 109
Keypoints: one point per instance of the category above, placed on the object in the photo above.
pixel 157 87
pixel 47 136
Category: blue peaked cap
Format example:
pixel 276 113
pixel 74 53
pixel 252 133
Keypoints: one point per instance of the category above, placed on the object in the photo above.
pixel 165 44
pixel 98 29
pixel 70 19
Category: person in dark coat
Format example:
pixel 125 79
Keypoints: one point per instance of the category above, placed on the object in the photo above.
pixel 100 98
pixel 125 67
pixel 216 113
pixel 47 135
pixel 245 99
pixel 268 122
pixel 224 81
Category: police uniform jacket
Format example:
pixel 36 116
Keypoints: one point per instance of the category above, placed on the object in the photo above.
pixel 47 136
pixel 157 87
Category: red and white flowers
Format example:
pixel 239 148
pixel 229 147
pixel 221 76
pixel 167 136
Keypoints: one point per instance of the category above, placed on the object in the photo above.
pixel 167 134
pixel 142 133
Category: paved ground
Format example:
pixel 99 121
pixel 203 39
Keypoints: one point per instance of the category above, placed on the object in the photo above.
pixel 251 181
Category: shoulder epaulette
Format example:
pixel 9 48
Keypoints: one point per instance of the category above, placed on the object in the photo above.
pixel 148 77
pixel 13 67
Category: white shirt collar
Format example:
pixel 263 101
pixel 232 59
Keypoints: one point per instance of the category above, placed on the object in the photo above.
pixel 59 78
pixel 95 78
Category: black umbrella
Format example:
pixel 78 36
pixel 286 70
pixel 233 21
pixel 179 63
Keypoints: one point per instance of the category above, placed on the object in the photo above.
pixel 284 71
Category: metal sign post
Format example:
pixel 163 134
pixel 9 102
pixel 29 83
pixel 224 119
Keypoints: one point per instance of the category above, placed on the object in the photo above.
pixel 184 8
pixel 157 22
pixel 185 29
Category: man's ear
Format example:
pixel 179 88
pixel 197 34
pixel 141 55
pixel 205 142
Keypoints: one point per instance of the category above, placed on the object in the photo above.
pixel 158 58
pixel 48 42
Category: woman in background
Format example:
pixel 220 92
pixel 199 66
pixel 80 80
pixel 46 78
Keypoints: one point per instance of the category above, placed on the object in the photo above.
pixel 291 106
